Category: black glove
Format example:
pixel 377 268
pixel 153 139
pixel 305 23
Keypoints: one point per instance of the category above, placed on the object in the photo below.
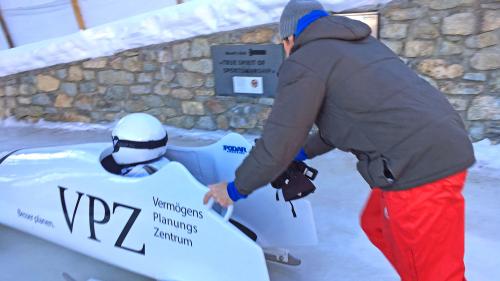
pixel 295 182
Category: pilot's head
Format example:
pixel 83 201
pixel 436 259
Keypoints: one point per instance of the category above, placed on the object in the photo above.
pixel 138 138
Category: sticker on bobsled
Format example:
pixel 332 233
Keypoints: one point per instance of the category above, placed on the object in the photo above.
pixel 36 219
pixel 235 149
pixel 107 216
pixel 187 229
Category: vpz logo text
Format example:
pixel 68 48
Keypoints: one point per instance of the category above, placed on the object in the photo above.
pixel 107 216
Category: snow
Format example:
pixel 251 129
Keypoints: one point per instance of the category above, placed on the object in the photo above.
pixel 343 252
pixel 194 18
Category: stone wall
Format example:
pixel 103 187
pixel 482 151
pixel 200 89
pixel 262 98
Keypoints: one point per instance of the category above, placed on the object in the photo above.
pixel 453 44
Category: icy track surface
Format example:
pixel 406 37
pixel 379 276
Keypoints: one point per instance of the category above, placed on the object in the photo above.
pixel 343 252
pixel 195 18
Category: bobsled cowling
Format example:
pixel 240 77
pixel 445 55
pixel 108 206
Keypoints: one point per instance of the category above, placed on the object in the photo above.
pixel 157 225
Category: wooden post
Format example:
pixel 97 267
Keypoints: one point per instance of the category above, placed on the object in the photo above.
pixel 78 14
pixel 6 30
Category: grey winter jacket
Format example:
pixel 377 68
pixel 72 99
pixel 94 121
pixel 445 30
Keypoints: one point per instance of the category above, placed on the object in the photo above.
pixel 364 100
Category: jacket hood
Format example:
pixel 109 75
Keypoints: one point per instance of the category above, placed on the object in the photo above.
pixel 334 27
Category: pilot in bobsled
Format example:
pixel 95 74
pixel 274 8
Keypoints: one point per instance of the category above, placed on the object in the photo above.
pixel 138 204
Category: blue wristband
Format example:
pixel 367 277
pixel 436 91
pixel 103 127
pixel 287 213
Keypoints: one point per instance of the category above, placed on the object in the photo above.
pixel 233 192
pixel 301 156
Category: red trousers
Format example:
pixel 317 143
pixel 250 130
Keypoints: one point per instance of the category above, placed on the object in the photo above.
pixel 420 230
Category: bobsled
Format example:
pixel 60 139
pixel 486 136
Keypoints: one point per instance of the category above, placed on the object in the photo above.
pixel 157 225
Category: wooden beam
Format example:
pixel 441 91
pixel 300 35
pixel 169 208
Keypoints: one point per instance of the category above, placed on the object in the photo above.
pixel 6 30
pixel 78 14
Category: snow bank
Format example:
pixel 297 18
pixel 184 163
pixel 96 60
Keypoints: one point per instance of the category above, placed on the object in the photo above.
pixel 488 156
pixel 169 24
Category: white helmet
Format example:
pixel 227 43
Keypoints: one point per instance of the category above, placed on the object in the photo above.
pixel 138 138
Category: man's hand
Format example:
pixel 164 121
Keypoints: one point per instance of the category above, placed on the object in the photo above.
pixel 219 193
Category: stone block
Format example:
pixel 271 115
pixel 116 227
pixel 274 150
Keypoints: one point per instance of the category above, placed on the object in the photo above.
pixel 394 31
pixel 190 80
pixel 63 101
pixel 115 77
pixel 200 48
pixel 41 99
pixel 133 64
pixel 182 94
pixel 480 77
pixel 166 74
pixel 217 106
pixel 448 48
pixel 46 83
pixel 486 59
pixel 455 88
pixel 88 87
pixel 24 100
pixel 193 108
pixel 205 93
pixel 206 123
pixel 405 14
pixel 424 30
pixel 180 51
pixel 88 75
pixel 186 122
pixel 162 88
pixel 99 63
pixel 145 78
pixel 261 35
pixel 448 4
pixel 165 56
pixel 75 73
pixel 483 40
pixel 203 66
pixel 439 69
pixel 152 101
pixel 222 122
pixel 491 20
pixel 27 89
pixel 140 89
pixel 61 73
pixel 69 89
pixel 484 108
pixel 419 48
pixel 244 116
pixel 84 103
pixel 70 116
pixel 459 24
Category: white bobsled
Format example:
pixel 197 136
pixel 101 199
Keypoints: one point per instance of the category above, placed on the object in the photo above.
pixel 157 225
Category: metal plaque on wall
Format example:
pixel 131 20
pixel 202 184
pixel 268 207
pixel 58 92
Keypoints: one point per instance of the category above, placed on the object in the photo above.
pixel 247 69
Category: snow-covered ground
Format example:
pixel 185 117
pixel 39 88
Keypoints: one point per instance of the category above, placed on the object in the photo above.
pixel 343 252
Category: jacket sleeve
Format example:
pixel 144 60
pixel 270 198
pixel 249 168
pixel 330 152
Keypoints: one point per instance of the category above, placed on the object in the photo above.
pixel 316 145
pixel 299 99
